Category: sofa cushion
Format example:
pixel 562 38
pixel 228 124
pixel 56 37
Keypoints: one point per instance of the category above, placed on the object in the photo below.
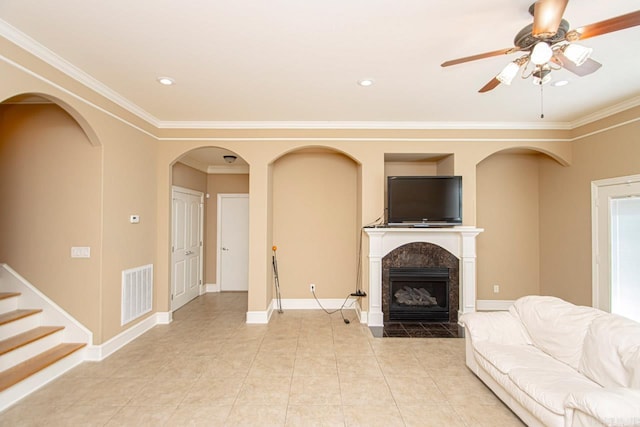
pixel 555 326
pixel 506 357
pixel 551 386
pixel 498 327
pixel 607 406
pixel 611 352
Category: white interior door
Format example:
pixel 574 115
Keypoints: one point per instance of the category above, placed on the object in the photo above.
pixel 186 247
pixel 616 245
pixel 233 242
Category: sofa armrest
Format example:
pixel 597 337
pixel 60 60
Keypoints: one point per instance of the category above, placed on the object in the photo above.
pixel 612 407
pixel 500 327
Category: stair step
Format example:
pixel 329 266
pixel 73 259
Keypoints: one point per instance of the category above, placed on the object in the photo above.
pixel 28 337
pixel 8 301
pixel 29 367
pixel 5 295
pixel 17 314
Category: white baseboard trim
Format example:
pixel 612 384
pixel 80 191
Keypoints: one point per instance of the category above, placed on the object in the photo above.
pixel 263 317
pixel 312 304
pixel 493 305
pixel 260 317
pixel 100 352
pixel 363 316
pixel 212 287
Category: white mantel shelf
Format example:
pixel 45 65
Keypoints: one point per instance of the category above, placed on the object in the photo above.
pixel 460 241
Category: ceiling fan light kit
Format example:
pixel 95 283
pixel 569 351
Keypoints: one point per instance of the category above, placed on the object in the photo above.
pixel 548 44
pixel 541 75
pixel 541 53
pixel 576 53
pixel 508 73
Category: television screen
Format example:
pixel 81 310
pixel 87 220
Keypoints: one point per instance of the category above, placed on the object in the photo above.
pixel 428 200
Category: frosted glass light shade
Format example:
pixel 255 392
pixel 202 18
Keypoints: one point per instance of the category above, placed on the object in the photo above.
pixel 541 53
pixel 577 54
pixel 508 73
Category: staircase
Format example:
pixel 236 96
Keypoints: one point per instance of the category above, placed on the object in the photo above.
pixel 33 347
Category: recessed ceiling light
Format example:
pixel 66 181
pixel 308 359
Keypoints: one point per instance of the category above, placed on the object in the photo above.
pixel 365 82
pixel 167 81
pixel 560 83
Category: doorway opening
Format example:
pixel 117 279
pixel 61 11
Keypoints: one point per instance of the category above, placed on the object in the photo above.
pixel 209 172
pixel 616 237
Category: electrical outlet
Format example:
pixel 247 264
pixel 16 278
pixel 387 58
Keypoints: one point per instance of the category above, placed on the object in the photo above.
pixel 496 289
pixel 312 287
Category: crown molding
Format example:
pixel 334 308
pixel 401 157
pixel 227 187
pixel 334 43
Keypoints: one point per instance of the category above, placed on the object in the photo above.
pixel 38 50
pixel 33 47
pixel 363 125
pixel 214 169
pixel 604 113
pixel 240 169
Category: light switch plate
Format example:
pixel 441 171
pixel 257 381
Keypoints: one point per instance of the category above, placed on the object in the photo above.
pixel 80 252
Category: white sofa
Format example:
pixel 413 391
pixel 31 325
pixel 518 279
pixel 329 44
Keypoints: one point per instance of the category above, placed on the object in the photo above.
pixel 557 364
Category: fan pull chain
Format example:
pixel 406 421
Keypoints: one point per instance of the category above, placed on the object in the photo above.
pixel 541 101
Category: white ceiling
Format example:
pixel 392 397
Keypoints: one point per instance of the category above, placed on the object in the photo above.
pixel 299 61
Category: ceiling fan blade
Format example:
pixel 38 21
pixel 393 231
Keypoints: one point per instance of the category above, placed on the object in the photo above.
pixel 589 66
pixel 493 83
pixel 547 16
pixel 480 56
pixel 609 25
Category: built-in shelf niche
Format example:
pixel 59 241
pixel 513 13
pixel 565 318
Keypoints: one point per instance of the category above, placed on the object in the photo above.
pixel 416 164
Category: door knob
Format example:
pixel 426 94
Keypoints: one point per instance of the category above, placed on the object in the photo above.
pixel 224 249
pixel 188 253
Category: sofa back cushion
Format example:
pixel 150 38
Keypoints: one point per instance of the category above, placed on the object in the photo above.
pixel 611 352
pixel 555 326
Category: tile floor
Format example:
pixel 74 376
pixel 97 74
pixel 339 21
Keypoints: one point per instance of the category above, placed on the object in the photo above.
pixel 305 368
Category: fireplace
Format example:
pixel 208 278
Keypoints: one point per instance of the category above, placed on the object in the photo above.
pixel 419 294
pixel 420 284
pixel 458 242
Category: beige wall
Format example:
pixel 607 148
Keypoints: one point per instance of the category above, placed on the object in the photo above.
pixel 314 219
pixel 187 177
pixel 135 177
pixel 507 209
pixel 565 208
pixel 127 184
pixel 218 184
pixel 50 187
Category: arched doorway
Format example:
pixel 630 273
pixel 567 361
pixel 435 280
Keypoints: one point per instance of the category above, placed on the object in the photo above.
pixel 205 174
pixel 50 184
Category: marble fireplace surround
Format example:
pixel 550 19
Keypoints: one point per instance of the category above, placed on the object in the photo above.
pixel 460 241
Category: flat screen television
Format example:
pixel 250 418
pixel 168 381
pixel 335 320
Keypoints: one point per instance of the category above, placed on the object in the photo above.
pixel 424 201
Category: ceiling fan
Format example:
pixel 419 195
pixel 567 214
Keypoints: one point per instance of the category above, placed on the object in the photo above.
pixel 548 44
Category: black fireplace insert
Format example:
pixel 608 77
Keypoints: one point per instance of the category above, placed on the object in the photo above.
pixel 419 294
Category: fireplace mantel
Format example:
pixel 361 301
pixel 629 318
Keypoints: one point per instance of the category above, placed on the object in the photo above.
pixel 460 241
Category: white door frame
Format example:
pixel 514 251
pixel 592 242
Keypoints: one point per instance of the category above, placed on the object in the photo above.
pixel 175 188
pixel 601 291
pixel 219 233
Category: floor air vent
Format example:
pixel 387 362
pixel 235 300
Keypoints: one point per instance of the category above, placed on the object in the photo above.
pixel 137 292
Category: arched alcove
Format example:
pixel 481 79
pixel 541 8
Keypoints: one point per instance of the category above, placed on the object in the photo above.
pixel 315 211
pixel 41 98
pixel 508 209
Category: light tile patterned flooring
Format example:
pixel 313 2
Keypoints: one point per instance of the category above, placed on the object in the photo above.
pixel 305 368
